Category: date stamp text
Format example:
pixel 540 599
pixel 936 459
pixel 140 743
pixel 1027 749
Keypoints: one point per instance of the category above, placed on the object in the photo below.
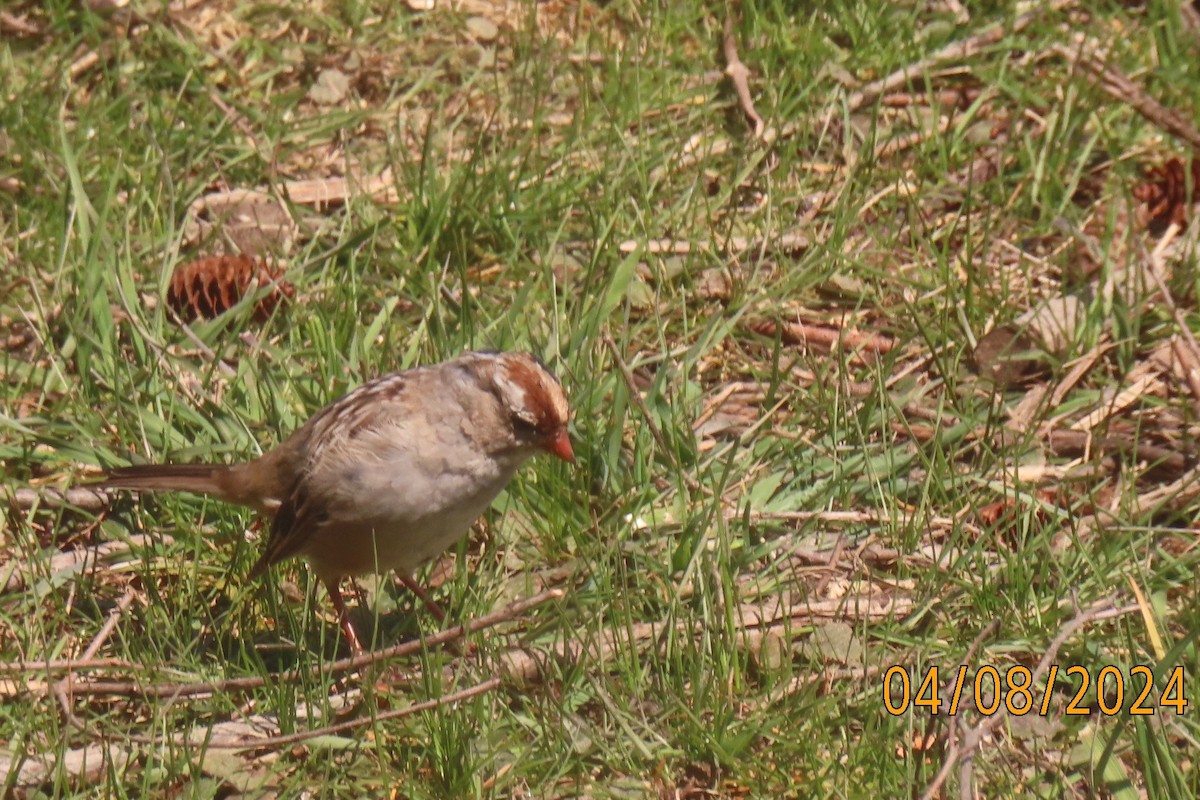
pixel 1071 690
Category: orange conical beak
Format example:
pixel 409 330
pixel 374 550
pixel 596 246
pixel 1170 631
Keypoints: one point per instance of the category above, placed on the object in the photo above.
pixel 559 444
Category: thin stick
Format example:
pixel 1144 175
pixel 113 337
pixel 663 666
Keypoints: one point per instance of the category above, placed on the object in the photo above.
pixel 955 51
pixel 827 677
pixel 176 690
pixel 339 727
pixel 851 517
pixel 10 23
pixel 68 665
pixel 1118 84
pixel 236 117
pixel 109 624
pixel 818 335
pixel 957 724
pixel 714 403
pixel 988 632
pixel 739 76
pixel 80 497
pixel 831 563
pixel 911 140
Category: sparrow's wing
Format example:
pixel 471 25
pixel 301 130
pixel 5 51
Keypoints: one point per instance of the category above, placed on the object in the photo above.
pixel 294 522
pixel 305 507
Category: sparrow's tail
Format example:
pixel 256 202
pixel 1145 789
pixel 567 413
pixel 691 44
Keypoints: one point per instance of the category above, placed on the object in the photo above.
pixel 223 482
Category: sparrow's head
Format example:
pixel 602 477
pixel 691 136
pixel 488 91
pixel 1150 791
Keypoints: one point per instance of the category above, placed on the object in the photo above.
pixel 534 402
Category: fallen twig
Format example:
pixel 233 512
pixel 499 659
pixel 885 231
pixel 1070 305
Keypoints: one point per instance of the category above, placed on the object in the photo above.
pixel 780 616
pixel 739 75
pixel 338 727
pixel 1112 404
pixel 15 575
pixel 1117 84
pixel 952 737
pixel 177 690
pixel 968 657
pixel 80 497
pixel 67 665
pixel 826 677
pixel 1065 443
pixel 955 51
pixel 787 242
pixel 109 625
pixel 235 117
pixel 18 25
pixel 891 147
pixel 1175 495
pixel 827 338
pixel 1189 361
pixel 846 517
pixel 320 193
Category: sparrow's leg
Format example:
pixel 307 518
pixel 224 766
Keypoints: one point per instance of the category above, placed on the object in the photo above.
pixel 335 594
pixel 409 583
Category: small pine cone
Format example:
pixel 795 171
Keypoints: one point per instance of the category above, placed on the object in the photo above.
pixel 207 287
pixel 1165 191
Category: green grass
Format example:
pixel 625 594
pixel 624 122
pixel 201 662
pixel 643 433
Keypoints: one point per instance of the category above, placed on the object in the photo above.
pixel 532 176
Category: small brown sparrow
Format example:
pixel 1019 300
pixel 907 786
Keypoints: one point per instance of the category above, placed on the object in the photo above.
pixel 393 473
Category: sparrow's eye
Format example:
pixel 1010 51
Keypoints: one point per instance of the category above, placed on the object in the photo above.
pixel 523 425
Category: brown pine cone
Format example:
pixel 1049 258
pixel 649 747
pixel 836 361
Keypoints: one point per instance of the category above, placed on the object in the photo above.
pixel 1165 191
pixel 206 287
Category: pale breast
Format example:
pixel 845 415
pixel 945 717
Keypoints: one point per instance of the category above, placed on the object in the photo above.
pixel 397 499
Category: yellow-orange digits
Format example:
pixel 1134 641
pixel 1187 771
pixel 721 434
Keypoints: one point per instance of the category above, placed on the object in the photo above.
pixel 994 706
pixel 929 687
pixel 1106 708
pixel 1023 689
pixel 1173 695
pixel 893 671
pixel 1073 707
pixel 1017 693
pixel 1140 707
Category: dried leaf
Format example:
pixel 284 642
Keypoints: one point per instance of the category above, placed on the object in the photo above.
pixel 254 220
pixel 1006 355
pixel 1054 322
pixel 482 29
pixel 330 89
pixel 772 656
pixel 86 764
pixel 837 642
pixel 713 284
pixel 1004 515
